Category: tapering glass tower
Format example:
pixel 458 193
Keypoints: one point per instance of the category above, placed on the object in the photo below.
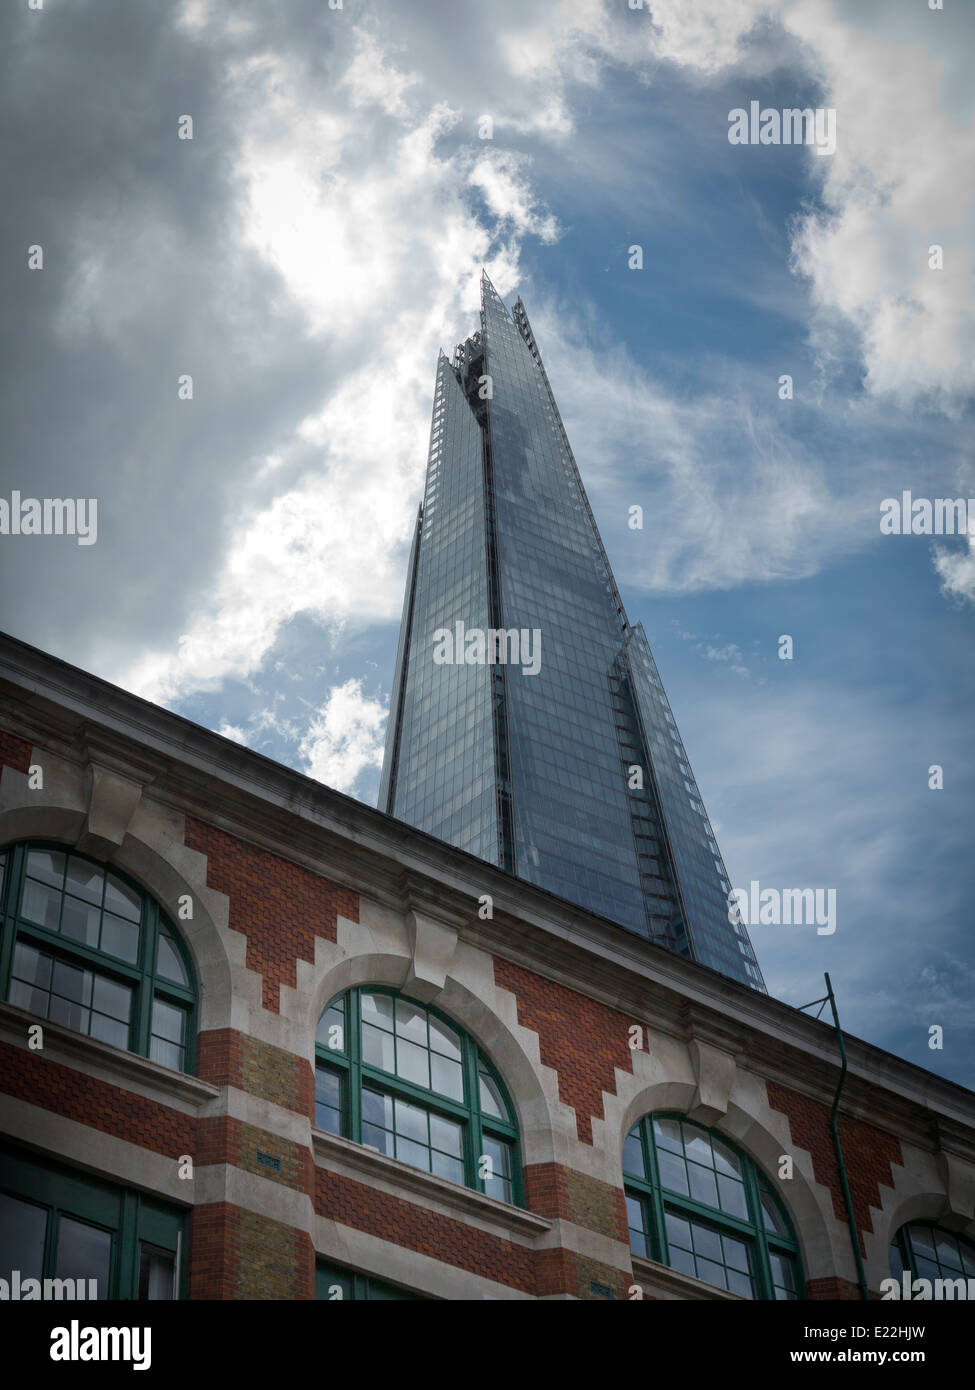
pixel 551 752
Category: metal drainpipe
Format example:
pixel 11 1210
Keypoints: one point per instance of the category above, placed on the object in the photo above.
pixel 834 1128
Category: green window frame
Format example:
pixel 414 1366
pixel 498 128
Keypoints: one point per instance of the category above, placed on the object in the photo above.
pixel 400 1077
pixel 338 1284
pixel 61 1223
pixel 929 1252
pixel 83 945
pixel 697 1203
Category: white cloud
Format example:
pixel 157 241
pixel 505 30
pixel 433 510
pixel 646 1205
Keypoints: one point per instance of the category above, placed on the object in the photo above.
pixel 232 731
pixel 345 737
pixel 379 246
pixel 957 569
pixel 730 653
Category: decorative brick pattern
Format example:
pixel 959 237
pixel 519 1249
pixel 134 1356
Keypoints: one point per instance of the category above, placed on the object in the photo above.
pixel 280 907
pixel 225 1057
pixel 274 1261
pixel 224 1139
pixel 355 1204
pixel 584 1041
pixel 561 1193
pixel 868 1152
pixel 14 752
pixel 561 1271
pixel 31 1077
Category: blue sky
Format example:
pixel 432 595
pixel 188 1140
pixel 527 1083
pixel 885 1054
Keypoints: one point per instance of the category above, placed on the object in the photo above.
pixel 306 255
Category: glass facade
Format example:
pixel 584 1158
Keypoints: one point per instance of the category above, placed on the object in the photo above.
pixel 550 750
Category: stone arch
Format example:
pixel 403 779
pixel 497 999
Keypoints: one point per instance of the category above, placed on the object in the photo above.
pixel 481 1017
pixel 166 871
pixel 759 1131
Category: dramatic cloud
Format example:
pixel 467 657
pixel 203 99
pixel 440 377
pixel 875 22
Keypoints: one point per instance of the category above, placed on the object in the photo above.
pixel 344 737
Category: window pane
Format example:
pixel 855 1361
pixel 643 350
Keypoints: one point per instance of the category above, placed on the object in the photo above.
pixel 448 1136
pixel 331 1029
pixel 47 865
pixel 712 1273
pixel 167 1021
pixel 121 899
pixel 770 1214
pixel 72 983
pixel 491 1102
pixel 697 1145
pixel 377 1009
pixel 707 1244
pixel 109 997
pixel 444 1040
pixel 782 1271
pixel 31 965
pixel 168 963
pixel 732 1195
pixel 377 1109
pixel 23 1227
pixel 157 1274
pixel 453 1170
pixel 84 880
pixel 41 904
pixel 411 1122
pixel 109 1030
pixel 922 1241
pixel 948 1251
pixel 328 1100
pixel 703 1186
pixel 167 1054
pixel 678 1231
pixel 736 1253
pixel 667 1135
pixel 84 1252
pixel 121 938
pixel 673 1173
pixel 725 1160
pixel 446 1077
pixel 377 1048
pixel 411 1022
pixel 413 1063
pixel 375 1138
pixel 416 1155
pixel 79 921
pixel 633 1155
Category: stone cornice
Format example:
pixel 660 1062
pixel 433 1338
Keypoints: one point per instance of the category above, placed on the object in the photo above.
pixel 196 772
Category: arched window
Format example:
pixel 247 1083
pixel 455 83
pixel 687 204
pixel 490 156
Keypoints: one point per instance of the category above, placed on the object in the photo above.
pixel 927 1252
pixel 399 1077
pixel 84 947
pixel 697 1204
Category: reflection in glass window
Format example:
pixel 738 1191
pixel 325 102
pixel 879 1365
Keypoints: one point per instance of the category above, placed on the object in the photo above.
pixel 401 1079
pixel 697 1204
pixel 87 947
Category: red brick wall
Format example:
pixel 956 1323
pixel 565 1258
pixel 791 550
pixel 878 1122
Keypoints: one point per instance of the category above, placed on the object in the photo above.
pixel 31 1077
pixel 14 752
pixel 226 1057
pixel 441 1237
pixel 867 1152
pixel 584 1041
pixel 279 906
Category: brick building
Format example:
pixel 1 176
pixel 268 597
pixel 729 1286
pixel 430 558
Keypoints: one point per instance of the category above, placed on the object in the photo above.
pixel 290 1047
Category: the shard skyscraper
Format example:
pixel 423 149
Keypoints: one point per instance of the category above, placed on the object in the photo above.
pixel 565 769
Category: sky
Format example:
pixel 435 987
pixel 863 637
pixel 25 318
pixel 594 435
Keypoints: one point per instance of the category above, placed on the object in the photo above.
pixel 298 263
